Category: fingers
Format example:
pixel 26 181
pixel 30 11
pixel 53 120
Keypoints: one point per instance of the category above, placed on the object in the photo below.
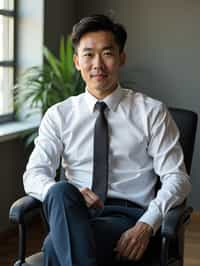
pixel 127 246
pixel 140 252
pixel 92 200
pixel 132 250
pixel 123 245
pixel 88 199
pixel 133 243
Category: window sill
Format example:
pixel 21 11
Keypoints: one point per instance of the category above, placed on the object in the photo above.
pixel 12 130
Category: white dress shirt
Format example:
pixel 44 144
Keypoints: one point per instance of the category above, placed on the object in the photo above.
pixel 144 143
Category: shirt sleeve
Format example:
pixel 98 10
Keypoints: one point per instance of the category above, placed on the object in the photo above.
pixel 45 158
pixel 168 164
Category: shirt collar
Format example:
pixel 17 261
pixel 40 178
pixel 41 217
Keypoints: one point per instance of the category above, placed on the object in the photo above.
pixel 112 100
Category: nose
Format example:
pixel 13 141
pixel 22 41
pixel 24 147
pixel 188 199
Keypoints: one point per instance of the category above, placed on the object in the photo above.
pixel 98 62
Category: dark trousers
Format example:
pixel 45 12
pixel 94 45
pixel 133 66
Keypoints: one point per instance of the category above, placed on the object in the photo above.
pixel 80 236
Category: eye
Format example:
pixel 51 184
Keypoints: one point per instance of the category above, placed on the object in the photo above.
pixel 108 53
pixel 87 55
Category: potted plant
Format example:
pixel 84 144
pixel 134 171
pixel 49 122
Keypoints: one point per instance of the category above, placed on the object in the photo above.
pixel 43 86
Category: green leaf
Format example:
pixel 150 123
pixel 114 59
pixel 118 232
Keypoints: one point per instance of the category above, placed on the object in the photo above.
pixel 31 138
pixel 52 60
pixel 55 81
pixel 69 58
pixel 63 60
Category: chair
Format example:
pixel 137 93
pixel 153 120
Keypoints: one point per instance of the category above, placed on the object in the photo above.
pixel 172 228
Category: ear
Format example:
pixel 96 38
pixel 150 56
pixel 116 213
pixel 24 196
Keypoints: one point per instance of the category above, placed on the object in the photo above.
pixel 122 58
pixel 76 61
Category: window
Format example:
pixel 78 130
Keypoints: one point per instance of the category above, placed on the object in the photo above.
pixel 7 58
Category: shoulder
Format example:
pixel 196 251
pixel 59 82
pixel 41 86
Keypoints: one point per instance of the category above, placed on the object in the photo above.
pixel 60 114
pixel 65 108
pixel 146 111
pixel 142 101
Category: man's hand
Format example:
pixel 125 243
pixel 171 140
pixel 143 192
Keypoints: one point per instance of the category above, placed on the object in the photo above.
pixel 91 199
pixel 133 242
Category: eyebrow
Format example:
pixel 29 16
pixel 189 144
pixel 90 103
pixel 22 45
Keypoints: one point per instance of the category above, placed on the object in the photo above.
pixel 104 48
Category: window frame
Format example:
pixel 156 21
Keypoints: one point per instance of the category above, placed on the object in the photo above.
pixel 10 63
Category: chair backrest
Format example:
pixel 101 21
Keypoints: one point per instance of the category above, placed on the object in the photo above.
pixel 187 123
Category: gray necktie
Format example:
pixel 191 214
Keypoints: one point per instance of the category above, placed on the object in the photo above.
pixel 100 159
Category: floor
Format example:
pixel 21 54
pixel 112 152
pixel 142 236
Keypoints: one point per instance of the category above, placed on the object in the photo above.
pixel 192 243
pixel 8 243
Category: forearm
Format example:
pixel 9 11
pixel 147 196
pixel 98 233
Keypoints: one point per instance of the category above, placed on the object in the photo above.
pixel 37 185
pixel 174 190
pixel 45 158
pixel 40 172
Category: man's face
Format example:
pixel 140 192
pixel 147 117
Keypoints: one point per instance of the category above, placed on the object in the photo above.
pixel 99 60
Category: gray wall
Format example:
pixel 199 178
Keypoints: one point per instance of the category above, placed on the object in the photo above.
pixel 59 19
pixel 163 53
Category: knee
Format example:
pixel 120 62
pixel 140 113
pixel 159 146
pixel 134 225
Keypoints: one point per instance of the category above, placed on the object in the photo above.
pixel 64 190
pixel 48 245
pixel 50 257
pixel 60 188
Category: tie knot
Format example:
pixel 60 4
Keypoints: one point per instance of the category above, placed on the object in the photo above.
pixel 101 106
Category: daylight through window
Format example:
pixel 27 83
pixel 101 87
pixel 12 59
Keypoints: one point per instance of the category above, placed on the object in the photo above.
pixel 7 60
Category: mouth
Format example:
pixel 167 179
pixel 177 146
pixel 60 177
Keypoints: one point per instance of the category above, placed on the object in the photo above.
pixel 99 76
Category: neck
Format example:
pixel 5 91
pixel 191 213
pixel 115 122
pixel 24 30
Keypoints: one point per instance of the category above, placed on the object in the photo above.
pixel 99 94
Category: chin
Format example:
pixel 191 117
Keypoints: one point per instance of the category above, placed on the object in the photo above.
pixel 102 88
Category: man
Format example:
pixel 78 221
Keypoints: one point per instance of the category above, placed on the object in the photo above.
pixel 92 223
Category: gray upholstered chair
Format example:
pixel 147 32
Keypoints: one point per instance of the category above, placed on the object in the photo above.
pixel 172 229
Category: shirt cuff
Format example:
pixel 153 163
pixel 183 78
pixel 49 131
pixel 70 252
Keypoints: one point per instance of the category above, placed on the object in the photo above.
pixel 153 217
pixel 46 189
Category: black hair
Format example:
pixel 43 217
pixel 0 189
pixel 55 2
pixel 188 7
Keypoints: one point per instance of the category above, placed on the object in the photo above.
pixel 96 23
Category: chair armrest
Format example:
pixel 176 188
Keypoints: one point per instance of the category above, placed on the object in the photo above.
pixel 176 217
pixel 21 207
